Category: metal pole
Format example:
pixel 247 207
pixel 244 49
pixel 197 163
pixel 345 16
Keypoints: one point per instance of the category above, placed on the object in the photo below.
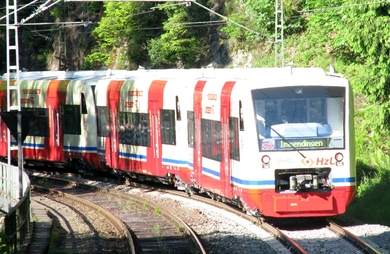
pixel 20 153
pixel 279 34
pixel 13 87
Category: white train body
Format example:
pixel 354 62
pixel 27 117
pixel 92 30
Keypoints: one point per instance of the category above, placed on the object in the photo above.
pixel 278 141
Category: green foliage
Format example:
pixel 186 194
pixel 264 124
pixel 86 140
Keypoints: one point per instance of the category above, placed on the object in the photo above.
pixel 373 191
pixel 131 33
pixel 4 248
pixel 255 14
pixel 176 47
pixel 124 25
pixel 259 15
pixel 96 59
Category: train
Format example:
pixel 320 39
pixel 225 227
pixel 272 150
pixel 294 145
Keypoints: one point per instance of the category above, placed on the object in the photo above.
pixel 277 142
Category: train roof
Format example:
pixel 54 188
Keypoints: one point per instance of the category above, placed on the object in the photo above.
pixel 212 73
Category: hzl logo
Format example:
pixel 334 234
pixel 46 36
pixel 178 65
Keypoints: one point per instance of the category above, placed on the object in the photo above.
pixel 320 161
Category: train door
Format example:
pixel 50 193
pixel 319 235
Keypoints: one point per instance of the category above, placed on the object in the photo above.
pixel 112 140
pixel 197 131
pixel 102 119
pixel 55 99
pixel 155 104
pixel 225 166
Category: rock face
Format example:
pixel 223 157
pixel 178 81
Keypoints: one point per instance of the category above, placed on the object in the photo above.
pixel 219 52
pixel 65 46
pixel 72 42
pixel 69 48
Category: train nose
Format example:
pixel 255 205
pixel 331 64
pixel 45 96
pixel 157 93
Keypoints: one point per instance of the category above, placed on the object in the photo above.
pixel 307 179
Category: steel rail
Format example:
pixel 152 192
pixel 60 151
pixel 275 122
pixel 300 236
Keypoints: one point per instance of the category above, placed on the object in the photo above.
pixel 164 211
pixel 139 200
pixel 118 224
pixel 358 242
pixel 289 243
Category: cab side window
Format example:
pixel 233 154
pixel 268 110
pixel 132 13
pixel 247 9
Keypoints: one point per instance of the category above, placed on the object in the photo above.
pixel 168 129
pixel 72 120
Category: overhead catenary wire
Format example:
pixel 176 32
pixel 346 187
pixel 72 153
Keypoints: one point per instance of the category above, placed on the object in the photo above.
pixel 43 7
pixel 21 8
pixel 304 11
pixel 187 25
pixel 185 1
pixel 66 23
pixel 343 6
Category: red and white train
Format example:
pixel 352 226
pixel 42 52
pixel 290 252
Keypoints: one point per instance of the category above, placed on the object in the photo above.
pixel 278 141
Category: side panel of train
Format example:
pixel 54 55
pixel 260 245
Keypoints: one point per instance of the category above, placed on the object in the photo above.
pixel 41 99
pixel 63 125
pixel 204 133
pixel 141 128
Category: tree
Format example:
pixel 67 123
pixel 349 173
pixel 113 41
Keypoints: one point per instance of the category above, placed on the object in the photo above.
pixel 176 47
pixel 122 34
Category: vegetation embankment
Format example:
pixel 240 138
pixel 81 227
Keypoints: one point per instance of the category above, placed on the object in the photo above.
pixel 354 37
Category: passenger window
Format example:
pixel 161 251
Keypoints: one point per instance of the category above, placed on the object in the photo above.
pixel 103 126
pixel 211 139
pixel 178 112
pixel 134 129
pixel 83 105
pixel 241 116
pixel 168 130
pixel 39 122
pixel 72 120
pixel 190 128
pixel 234 139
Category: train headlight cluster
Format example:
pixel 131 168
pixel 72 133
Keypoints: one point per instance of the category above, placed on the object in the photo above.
pixel 339 157
pixel 265 161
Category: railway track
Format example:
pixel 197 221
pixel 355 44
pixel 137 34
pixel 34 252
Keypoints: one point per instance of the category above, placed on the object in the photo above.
pixel 153 229
pixel 286 237
pixel 76 226
pixel 357 241
pixel 294 245
pixel 289 243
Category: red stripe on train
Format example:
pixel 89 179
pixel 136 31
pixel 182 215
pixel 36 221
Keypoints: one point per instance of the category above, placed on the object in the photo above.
pixel 3 126
pixel 56 93
pixel 197 163
pixel 225 166
pixel 154 150
pixel 308 204
pixel 112 140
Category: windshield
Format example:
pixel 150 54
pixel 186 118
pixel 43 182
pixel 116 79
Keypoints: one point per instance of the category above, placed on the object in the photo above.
pixel 303 118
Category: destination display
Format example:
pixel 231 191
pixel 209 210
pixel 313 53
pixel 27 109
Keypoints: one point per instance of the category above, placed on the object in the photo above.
pixel 287 144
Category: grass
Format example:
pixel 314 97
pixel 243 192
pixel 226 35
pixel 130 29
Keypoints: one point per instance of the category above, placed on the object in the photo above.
pixel 4 248
pixel 372 202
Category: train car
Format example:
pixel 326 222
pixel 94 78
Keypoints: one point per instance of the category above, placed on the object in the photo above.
pixel 41 99
pixel 277 141
pixel 62 107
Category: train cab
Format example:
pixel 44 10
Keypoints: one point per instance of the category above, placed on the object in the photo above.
pixel 302 143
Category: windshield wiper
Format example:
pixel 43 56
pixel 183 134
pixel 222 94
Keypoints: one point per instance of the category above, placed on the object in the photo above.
pixel 288 142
